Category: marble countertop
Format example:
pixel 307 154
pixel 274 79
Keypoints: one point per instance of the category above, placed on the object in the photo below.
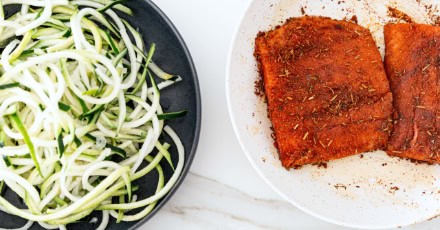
pixel 223 191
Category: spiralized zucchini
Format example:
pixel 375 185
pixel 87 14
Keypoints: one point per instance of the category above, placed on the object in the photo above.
pixel 80 113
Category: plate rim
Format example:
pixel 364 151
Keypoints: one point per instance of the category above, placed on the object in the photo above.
pixel 259 171
pixel 198 114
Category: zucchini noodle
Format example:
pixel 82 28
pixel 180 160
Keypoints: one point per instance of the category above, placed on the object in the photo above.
pixel 80 114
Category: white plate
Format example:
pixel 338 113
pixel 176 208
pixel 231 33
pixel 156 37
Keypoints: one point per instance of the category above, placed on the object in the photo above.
pixel 375 191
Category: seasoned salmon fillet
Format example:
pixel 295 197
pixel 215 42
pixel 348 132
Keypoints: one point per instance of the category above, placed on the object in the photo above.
pixel 412 62
pixel 327 93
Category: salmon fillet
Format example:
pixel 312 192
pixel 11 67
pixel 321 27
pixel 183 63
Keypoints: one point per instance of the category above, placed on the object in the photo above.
pixel 327 93
pixel 412 61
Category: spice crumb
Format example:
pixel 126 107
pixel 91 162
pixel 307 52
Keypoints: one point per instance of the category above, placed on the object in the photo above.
pixel 303 12
pixel 338 186
pixel 329 143
pixel 305 135
pixel 393 189
pixel 322 165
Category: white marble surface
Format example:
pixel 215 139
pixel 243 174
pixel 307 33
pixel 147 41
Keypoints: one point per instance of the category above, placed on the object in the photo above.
pixel 223 191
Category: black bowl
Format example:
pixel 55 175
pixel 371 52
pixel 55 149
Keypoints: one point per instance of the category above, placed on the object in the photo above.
pixel 173 56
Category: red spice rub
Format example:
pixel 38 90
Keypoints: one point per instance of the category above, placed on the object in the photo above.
pixel 327 93
pixel 412 61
